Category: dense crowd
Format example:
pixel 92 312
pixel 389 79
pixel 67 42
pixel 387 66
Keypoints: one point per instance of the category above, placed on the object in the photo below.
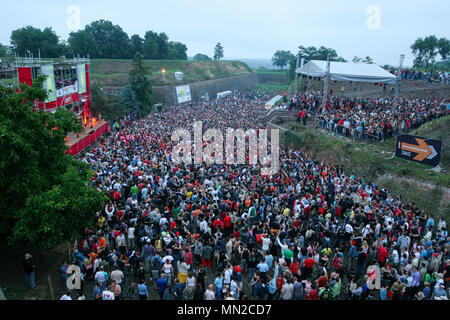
pixel 225 232
pixel 369 119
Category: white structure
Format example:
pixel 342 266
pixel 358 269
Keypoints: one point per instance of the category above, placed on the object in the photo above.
pixel 178 75
pixel 346 71
pixel 223 94
pixel 271 102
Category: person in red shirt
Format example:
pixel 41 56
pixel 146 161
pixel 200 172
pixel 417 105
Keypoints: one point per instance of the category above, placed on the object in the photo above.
pixel 218 224
pixel 227 225
pixel 382 255
pixel 309 264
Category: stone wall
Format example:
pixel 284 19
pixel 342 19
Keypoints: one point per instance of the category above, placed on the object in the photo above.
pixel 167 94
pixel 272 78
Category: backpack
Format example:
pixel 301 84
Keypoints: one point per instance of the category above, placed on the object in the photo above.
pixel 325 294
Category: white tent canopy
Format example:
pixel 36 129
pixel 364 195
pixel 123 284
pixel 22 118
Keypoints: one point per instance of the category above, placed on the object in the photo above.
pixel 346 71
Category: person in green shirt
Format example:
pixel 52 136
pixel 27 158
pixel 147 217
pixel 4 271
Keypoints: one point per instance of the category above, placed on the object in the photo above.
pixel 337 287
pixel 135 192
pixel 288 254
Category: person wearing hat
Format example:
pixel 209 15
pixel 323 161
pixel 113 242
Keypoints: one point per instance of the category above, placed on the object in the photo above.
pixel 420 296
pixel 29 267
pixel 439 293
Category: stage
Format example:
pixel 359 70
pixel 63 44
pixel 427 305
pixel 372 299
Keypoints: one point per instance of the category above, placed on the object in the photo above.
pixel 76 144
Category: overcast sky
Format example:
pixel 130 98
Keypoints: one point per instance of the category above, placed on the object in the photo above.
pixel 251 28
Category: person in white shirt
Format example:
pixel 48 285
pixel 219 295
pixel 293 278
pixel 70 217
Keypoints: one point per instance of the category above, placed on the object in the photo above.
pixel 117 275
pixel 209 293
pixel 107 295
pixel 130 238
pixel 266 242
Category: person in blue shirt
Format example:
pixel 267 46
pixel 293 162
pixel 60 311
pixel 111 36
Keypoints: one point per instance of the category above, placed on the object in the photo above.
pixel 263 268
pixel 383 293
pixel 97 292
pixel 219 285
pixel 142 290
pixel 162 284
pixel 178 290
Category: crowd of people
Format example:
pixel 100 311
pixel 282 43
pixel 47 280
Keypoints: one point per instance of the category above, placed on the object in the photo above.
pixel 368 119
pixel 225 232
pixel 430 76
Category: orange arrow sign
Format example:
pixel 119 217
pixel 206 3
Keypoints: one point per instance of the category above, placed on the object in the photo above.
pixel 422 149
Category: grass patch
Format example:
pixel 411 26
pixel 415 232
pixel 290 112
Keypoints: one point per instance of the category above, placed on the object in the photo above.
pixel 114 72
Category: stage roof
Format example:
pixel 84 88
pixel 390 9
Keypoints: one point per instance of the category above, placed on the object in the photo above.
pixel 346 71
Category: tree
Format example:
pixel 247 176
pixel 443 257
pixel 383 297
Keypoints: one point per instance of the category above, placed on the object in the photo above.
pixel 339 59
pixel 42 200
pixel 312 53
pixel 367 60
pixel 201 57
pixel 282 58
pixel 83 43
pixel 443 47
pixel 112 41
pixel 356 59
pixel 163 46
pixel 425 50
pixel 109 107
pixel 218 51
pixel 151 47
pixel 3 50
pixel 54 216
pixel 177 51
pixel 33 39
pixel 136 45
pixel 141 85
pixel 128 99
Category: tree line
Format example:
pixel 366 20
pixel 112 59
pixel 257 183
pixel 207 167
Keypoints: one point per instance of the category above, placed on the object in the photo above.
pixel 425 50
pixel 100 40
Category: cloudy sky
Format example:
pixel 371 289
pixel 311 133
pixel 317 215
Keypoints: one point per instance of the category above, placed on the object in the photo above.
pixel 250 28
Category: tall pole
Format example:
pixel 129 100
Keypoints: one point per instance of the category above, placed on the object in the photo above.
pixel 297 64
pixel 399 77
pixel 325 84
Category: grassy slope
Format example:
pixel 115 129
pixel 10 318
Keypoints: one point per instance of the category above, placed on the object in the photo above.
pixel 413 181
pixel 115 72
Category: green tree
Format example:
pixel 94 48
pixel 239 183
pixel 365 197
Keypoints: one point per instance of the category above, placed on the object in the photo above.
pixel 424 50
pixel 367 60
pixel 55 216
pixel 163 46
pixel 83 43
pixel 128 99
pixel 34 39
pixel 3 50
pixel 443 47
pixel 177 51
pixel 112 41
pixel 218 51
pixel 281 58
pixel 34 166
pixel 141 85
pixel 109 108
pixel 136 45
pixel 151 47
pixel 201 57
pixel 312 53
